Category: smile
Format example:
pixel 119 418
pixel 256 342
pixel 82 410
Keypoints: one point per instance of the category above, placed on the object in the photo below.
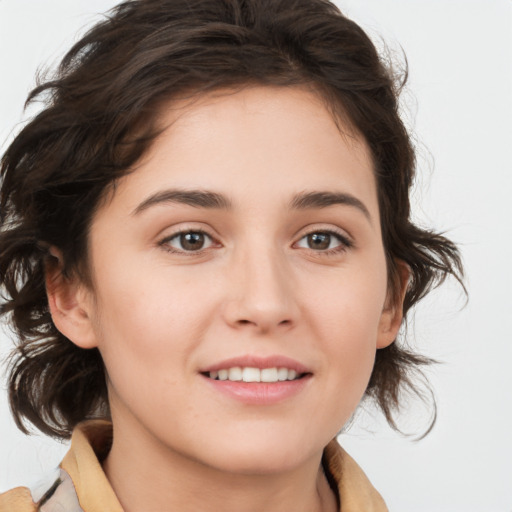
pixel 250 374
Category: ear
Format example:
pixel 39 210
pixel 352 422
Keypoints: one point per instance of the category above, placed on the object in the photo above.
pixel 70 303
pixel 392 314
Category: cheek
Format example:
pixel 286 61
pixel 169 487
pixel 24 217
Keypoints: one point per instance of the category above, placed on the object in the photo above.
pixel 345 314
pixel 349 347
pixel 347 304
pixel 349 331
pixel 148 322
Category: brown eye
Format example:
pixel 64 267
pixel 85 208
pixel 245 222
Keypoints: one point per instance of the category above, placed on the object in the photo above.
pixel 192 241
pixel 319 241
pixel 189 241
pixel 324 241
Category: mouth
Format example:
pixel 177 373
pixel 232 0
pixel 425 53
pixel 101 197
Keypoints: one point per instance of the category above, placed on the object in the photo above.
pixel 258 381
pixel 252 374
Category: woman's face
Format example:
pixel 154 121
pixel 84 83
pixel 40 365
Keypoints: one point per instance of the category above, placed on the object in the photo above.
pixel 245 245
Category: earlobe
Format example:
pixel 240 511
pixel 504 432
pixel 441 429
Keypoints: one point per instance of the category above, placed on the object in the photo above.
pixel 69 302
pixel 392 314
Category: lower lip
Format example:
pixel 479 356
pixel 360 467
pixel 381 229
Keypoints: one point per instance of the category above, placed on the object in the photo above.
pixel 260 393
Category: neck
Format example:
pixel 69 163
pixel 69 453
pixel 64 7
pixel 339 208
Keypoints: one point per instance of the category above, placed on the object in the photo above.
pixel 146 477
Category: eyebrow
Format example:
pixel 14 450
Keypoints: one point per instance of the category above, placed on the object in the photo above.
pixel 306 200
pixel 195 198
pixel 213 200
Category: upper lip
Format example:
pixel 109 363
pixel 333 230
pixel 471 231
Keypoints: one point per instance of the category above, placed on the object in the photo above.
pixel 250 361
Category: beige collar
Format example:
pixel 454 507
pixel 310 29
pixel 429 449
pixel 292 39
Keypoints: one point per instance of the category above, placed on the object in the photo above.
pixel 81 463
pixel 356 492
pixel 93 438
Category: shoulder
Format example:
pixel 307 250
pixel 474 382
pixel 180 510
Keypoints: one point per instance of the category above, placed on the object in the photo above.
pixel 17 500
pixel 78 484
pixel 53 494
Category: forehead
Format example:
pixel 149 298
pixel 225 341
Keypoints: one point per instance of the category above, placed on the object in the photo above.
pixel 263 109
pixel 256 140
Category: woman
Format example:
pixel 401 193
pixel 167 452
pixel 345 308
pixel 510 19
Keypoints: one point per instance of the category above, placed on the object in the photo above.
pixel 207 255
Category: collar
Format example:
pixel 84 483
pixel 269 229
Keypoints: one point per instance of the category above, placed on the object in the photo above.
pixel 91 442
pixel 355 491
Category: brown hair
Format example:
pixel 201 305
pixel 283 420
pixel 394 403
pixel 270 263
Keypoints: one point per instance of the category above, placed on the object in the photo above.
pixel 98 121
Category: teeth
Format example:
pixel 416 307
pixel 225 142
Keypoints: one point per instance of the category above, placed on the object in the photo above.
pixel 269 375
pixel 282 374
pixel 249 374
pixel 235 374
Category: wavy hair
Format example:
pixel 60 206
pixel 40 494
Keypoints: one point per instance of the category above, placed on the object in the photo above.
pixel 98 119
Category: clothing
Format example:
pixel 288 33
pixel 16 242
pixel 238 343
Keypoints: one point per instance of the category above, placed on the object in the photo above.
pixel 81 485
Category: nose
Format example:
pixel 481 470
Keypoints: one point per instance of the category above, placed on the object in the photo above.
pixel 261 293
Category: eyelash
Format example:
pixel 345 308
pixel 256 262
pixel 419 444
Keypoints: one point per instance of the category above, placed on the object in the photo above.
pixel 344 242
pixel 165 242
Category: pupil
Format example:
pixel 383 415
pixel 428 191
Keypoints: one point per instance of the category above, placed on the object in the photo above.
pixel 319 240
pixel 192 241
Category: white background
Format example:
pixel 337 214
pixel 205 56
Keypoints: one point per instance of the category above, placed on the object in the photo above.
pixel 459 105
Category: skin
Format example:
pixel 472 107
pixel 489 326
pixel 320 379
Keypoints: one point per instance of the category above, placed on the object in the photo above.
pixel 160 314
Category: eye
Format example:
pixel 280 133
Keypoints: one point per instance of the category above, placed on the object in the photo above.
pixel 188 241
pixel 324 241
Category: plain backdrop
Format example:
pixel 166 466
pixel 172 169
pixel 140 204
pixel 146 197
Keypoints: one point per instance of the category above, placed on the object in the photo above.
pixel 458 103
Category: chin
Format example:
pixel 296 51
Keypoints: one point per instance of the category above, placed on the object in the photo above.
pixel 267 453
